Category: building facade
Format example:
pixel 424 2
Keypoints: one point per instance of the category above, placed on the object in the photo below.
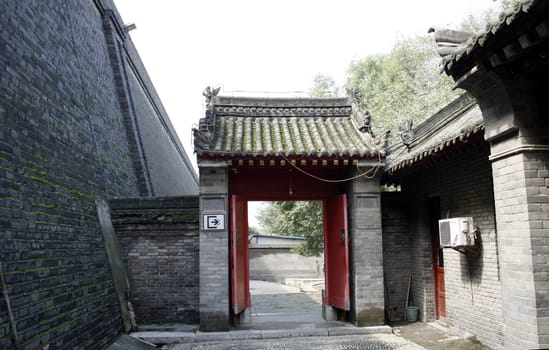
pixel 75 102
pixel 494 169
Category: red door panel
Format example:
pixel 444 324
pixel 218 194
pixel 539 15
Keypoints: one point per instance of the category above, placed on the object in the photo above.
pixel 440 293
pixel 438 259
pixel 336 247
pixel 240 297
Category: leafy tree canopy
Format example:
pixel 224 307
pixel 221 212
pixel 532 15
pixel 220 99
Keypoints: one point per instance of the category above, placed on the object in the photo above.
pixel 296 218
pixel 404 84
pixel 324 86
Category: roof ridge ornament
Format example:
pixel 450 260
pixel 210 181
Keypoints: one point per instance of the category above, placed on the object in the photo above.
pixel 209 94
pixel 203 135
pixel 359 110
pixel 406 132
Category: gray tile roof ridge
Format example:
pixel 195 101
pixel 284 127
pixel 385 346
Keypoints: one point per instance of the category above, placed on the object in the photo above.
pixel 477 40
pixel 293 102
pixel 430 134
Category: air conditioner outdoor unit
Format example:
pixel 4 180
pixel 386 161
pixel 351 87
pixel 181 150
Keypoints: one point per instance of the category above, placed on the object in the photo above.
pixel 456 232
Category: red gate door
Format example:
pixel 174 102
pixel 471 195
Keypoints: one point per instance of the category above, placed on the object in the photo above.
pixel 438 260
pixel 336 252
pixel 240 297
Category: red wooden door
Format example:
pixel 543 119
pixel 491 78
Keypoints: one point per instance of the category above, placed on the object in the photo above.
pixel 336 252
pixel 240 296
pixel 438 259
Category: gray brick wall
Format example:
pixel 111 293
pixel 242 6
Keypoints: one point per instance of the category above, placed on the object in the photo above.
pixel 159 243
pixel 472 280
pixel 396 249
pixel 63 143
pixel 366 252
pixel 523 219
pixel 214 248
pixel 171 172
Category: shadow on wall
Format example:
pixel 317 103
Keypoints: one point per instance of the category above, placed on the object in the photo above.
pixel 472 262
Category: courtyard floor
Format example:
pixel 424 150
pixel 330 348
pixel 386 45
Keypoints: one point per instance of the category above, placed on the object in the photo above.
pixel 287 317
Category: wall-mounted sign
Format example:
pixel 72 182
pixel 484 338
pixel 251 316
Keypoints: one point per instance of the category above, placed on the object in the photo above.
pixel 214 222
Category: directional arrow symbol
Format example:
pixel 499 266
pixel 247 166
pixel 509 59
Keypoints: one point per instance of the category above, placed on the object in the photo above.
pixel 214 222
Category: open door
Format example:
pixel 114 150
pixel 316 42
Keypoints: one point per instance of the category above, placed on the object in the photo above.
pixel 240 295
pixel 336 252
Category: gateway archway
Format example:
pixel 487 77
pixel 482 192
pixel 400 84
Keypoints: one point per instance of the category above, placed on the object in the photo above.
pixel 285 184
pixel 289 149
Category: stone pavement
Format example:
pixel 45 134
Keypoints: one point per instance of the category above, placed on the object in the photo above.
pixel 285 318
pixel 353 342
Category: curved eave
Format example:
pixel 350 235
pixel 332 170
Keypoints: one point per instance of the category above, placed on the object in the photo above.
pixel 292 156
pixel 470 136
pixel 459 62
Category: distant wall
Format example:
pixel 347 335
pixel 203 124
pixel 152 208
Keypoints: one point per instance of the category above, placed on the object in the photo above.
pixel 70 134
pixel 276 264
pixel 161 154
pixel 159 243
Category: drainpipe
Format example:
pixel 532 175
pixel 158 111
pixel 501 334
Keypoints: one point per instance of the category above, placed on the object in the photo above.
pixel 10 313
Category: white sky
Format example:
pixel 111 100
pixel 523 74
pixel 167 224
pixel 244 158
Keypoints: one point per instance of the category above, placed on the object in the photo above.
pixel 274 46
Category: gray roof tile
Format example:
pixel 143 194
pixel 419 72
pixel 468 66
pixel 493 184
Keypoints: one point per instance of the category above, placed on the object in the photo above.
pixel 289 127
pixel 468 48
pixel 453 125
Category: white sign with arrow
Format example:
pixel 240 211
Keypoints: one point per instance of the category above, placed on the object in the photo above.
pixel 214 222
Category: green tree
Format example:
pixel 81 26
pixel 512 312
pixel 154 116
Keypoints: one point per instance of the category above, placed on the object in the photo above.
pixel 407 83
pixel 404 84
pixel 324 86
pixel 296 218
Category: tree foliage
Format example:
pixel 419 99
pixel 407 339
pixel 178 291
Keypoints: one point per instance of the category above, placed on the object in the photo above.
pixel 324 86
pixel 404 84
pixel 296 218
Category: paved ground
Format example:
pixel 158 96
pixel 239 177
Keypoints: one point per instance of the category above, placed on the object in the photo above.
pixel 435 337
pixel 277 306
pixel 285 318
pixel 353 342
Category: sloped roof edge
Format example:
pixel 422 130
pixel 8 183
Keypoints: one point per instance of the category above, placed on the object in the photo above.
pixel 456 123
pixel 466 55
pixel 281 101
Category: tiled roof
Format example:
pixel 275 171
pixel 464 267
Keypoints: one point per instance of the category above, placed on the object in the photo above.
pixel 490 37
pixel 319 127
pixel 455 124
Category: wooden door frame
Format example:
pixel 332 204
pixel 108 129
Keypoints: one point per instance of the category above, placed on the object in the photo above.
pixel 269 198
pixel 434 216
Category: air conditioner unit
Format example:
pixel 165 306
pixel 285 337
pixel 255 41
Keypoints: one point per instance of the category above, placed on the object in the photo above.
pixel 456 232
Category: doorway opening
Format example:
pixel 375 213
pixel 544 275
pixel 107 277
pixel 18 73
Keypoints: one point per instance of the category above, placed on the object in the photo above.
pixel 286 258
pixel 437 258
pixel 289 261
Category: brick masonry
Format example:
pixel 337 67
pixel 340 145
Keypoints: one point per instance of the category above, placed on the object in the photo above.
pixel 463 182
pixel 63 143
pixel 214 248
pixel 514 110
pixel 523 222
pixel 396 253
pixel 366 253
pixel 159 243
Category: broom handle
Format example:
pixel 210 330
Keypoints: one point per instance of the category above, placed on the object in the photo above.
pixel 408 290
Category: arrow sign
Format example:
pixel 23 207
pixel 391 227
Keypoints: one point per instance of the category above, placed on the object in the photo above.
pixel 214 222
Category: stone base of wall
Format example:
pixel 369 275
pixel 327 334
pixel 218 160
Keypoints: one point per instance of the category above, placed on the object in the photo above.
pixel 159 242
